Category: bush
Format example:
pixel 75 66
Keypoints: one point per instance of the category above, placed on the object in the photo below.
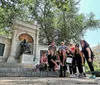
pixel 97 72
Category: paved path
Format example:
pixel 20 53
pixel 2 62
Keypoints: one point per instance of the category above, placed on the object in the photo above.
pixel 47 81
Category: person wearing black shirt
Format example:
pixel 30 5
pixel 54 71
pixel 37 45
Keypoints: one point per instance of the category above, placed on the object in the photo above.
pixel 62 57
pixel 79 60
pixel 71 69
pixel 52 46
pixel 52 61
pixel 89 56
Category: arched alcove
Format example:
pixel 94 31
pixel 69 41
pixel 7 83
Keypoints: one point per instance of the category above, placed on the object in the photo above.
pixel 30 41
pixel 25 36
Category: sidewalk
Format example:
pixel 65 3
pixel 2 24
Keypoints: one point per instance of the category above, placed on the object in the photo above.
pixel 47 81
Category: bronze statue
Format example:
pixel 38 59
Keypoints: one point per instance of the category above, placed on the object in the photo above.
pixel 25 47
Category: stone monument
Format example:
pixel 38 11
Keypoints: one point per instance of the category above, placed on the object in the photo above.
pixel 29 33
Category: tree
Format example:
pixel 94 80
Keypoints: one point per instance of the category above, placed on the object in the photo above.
pixel 59 20
pixel 72 25
pixel 11 10
pixel 43 13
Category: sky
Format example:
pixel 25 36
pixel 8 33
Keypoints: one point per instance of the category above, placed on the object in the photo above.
pixel 87 6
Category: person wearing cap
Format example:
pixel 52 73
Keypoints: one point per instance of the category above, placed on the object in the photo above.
pixel 63 46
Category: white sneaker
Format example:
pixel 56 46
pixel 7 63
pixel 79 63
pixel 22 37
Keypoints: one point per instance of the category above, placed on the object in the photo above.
pixel 71 76
pixel 74 75
pixel 80 75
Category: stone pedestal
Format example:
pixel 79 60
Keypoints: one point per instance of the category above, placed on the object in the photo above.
pixel 11 59
pixel 25 58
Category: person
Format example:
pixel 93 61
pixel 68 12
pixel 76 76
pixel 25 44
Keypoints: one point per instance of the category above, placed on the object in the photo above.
pixel 74 75
pixel 79 60
pixel 63 46
pixel 72 48
pixel 72 67
pixel 52 60
pixel 43 62
pixel 52 46
pixel 70 55
pixel 62 58
pixel 89 56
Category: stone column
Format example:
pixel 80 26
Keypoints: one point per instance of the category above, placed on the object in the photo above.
pixel 36 44
pixel 37 55
pixel 12 56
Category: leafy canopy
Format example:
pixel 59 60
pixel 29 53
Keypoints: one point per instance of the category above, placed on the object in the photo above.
pixel 59 20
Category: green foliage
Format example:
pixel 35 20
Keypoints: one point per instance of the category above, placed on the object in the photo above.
pixel 95 67
pixel 11 10
pixel 87 67
pixel 62 4
pixel 8 12
pixel 43 14
pixel 72 24
pixel 59 20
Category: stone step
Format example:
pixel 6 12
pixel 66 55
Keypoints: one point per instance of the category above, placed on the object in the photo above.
pixel 4 69
pixel 46 81
pixel 26 72
pixel 23 70
pixel 15 65
pixel 29 74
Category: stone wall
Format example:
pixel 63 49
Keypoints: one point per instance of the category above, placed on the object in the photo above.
pixel 7 43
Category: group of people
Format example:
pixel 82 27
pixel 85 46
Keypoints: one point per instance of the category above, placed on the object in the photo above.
pixel 68 57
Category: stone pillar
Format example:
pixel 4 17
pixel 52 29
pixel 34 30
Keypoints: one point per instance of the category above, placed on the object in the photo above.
pixel 37 49
pixel 12 57
pixel 36 55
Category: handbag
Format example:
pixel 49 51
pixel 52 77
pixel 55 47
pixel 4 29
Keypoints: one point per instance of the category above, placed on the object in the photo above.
pixel 69 60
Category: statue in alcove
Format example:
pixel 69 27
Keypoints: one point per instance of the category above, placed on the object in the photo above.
pixel 25 47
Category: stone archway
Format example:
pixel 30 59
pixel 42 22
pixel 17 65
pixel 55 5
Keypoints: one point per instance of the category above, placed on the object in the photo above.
pixel 23 31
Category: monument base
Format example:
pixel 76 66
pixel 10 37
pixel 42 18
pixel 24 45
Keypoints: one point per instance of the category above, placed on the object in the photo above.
pixel 12 60
pixel 26 58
